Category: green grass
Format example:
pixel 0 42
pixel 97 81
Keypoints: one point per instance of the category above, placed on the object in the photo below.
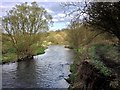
pixel 96 60
pixel 9 57
pixel 0 58
pixel 12 50
pixel 40 50
pixel 101 66
pixel 108 50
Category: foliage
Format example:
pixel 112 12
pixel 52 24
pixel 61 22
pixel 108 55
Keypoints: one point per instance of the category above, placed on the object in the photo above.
pixel 9 57
pixel 109 52
pixel 85 48
pixel 56 37
pixel 103 17
pixel 77 35
pixel 40 50
pixel 42 41
pixel 23 24
pixel 100 66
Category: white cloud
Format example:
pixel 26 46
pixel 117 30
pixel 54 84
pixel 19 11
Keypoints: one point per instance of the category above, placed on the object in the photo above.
pixel 55 20
pixel 59 15
pixel 6 7
pixel 58 19
pixel 62 19
pixel 48 0
pixel 67 23
pixel 21 0
pixel 49 11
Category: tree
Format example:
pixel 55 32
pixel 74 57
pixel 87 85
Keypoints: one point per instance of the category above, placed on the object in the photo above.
pixel 105 16
pixel 23 24
pixel 102 16
pixel 78 35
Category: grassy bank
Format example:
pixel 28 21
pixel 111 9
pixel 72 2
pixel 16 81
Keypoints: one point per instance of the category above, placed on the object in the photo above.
pixel 104 57
pixel 37 47
pixel 12 56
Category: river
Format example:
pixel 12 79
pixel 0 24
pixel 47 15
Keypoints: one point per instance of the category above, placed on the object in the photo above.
pixel 47 70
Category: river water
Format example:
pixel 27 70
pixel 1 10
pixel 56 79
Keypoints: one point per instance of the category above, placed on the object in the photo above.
pixel 44 71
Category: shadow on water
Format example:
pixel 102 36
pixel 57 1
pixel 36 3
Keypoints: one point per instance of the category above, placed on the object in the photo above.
pixel 44 71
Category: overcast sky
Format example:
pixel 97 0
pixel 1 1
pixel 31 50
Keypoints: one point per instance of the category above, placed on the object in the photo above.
pixel 53 8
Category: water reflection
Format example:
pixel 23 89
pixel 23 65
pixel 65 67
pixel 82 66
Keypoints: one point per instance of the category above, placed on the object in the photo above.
pixel 45 71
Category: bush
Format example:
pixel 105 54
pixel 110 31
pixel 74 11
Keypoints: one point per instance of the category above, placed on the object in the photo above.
pixel 96 60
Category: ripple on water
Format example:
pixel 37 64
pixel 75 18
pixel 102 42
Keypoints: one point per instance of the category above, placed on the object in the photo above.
pixel 47 70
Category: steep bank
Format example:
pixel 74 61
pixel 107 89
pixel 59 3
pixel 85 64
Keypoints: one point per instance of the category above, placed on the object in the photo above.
pixel 99 72
pixel 90 78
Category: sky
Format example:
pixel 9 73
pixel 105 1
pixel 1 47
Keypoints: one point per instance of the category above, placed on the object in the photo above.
pixel 53 8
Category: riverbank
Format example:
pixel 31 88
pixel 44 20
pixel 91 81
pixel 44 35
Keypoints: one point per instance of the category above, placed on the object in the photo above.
pixel 103 63
pixel 12 57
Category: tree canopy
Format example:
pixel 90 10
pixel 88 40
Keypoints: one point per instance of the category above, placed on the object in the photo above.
pixel 23 23
pixel 102 16
pixel 105 16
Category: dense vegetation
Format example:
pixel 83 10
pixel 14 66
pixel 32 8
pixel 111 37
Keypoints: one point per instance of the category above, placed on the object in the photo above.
pixel 104 17
pixel 22 29
pixel 94 27
pixel 43 40
pixel 95 39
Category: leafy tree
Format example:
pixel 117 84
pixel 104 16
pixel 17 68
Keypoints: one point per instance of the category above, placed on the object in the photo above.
pixel 105 16
pixel 23 24
pixel 102 16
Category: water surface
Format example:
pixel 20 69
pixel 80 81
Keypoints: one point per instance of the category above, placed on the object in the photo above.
pixel 44 71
